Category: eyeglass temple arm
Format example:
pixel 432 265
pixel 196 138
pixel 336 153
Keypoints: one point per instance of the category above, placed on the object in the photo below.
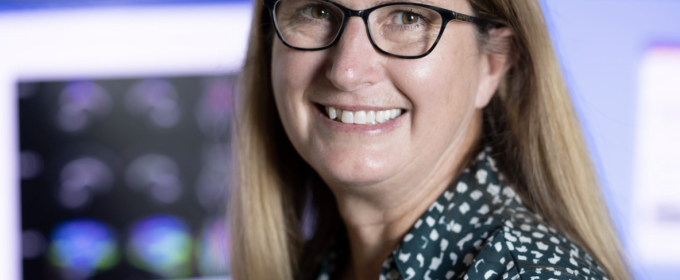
pixel 475 20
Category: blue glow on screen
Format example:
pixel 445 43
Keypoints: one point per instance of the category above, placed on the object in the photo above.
pixel 161 244
pixel 81 247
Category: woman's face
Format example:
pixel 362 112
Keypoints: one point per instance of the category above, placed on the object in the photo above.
pixel 437 95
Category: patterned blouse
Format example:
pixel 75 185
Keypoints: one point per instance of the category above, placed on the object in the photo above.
pixel 479 229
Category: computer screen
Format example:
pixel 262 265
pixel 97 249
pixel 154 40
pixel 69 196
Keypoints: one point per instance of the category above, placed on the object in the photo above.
pixel 118 150
pixel 125 178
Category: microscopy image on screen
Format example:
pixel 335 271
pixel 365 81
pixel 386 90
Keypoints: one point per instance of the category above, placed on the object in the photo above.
pixel 125 178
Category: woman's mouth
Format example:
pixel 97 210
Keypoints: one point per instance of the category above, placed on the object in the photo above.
pixel 362 117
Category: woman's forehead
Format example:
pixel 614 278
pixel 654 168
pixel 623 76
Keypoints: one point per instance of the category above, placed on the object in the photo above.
pixel 365 4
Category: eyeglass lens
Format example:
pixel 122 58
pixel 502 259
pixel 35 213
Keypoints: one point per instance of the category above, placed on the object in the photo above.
pixel 406 30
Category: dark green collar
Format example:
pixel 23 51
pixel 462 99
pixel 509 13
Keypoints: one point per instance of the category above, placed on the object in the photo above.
pixel 479 229
pixel 447 236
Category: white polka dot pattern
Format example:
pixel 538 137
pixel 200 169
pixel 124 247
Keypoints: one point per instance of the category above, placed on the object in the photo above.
pixel 479 229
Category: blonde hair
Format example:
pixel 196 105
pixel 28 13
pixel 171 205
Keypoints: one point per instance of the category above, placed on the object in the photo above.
pixel 530 123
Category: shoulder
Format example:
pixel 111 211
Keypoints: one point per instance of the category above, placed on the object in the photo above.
pixel 524 247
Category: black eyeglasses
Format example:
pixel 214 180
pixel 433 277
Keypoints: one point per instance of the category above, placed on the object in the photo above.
pixel 404 30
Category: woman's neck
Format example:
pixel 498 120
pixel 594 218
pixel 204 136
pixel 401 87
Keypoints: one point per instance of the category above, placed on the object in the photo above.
pixel 378 216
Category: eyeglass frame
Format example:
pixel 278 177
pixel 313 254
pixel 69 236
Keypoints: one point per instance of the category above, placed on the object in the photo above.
pixel 347 13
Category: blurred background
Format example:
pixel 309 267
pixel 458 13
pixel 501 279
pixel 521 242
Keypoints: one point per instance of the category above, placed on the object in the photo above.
pixel 116 118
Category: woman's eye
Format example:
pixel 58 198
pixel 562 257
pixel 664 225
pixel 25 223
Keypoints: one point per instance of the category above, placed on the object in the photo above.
pixel 407 18
pixel 317 12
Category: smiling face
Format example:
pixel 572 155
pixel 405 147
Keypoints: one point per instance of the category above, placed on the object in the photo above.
pixel 434 100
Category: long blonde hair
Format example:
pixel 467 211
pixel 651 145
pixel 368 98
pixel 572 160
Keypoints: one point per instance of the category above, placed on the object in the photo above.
pixel 530 123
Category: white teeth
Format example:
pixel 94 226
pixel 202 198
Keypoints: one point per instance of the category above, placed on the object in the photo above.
pixel 362 117
pixel 370 117
pixel 379 117
pixel 332 113
pixel 347 117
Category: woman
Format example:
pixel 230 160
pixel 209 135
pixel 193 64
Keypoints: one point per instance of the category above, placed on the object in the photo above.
pixel 417 140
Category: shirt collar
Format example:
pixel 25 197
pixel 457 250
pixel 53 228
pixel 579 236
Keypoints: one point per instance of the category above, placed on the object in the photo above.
pixel 445 239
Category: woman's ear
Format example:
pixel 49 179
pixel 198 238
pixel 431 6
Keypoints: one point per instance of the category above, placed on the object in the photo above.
pixel 495 60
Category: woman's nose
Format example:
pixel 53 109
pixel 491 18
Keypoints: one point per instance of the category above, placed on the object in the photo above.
pixel 354 62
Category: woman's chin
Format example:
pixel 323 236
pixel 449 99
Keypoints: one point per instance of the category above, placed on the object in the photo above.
pixel 356 159
pixel 356 173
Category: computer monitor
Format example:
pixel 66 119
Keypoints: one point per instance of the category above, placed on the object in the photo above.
pixel 121 146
